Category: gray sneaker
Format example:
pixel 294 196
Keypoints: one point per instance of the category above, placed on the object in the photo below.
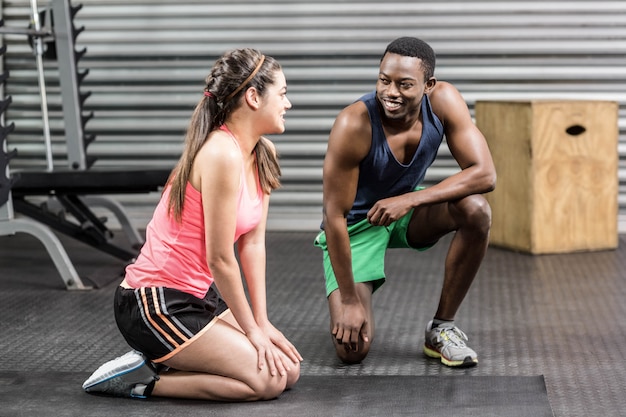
pixel 126 376
pixel 447 342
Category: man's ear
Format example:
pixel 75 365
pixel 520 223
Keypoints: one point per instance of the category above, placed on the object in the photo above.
pixel 252 98
pixel 430 84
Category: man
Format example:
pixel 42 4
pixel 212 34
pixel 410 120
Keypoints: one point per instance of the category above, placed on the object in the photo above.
pixel 378 152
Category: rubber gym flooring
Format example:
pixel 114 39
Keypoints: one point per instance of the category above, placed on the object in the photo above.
pixel 560 316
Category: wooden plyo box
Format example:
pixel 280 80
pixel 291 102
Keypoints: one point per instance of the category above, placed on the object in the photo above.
pixel 557 162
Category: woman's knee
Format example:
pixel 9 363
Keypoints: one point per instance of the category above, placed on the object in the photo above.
pixel 293 374
pixel 272 386
pixel 268 387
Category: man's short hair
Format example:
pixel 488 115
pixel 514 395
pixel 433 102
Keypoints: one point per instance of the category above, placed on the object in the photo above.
pixel 417 48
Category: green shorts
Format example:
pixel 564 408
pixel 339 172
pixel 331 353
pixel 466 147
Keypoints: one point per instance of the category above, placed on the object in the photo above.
pixel 369 244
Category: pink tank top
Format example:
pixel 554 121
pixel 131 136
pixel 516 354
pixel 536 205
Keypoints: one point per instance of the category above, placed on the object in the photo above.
pixel 174 254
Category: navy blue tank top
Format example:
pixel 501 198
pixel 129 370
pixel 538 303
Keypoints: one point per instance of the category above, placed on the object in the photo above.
pixel 381 175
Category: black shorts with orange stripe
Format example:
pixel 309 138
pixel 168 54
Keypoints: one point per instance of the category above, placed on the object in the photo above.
pixel 160 322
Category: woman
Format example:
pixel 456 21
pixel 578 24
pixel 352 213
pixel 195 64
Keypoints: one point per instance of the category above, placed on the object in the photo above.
pixel 210 347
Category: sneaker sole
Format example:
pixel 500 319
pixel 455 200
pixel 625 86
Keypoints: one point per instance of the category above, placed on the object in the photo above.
pixel 467 362
pixel 114 373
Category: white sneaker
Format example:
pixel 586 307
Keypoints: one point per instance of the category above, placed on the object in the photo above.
pixel 126 376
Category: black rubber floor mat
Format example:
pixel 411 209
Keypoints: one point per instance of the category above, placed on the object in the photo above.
pixel 552 315
pixel 60 394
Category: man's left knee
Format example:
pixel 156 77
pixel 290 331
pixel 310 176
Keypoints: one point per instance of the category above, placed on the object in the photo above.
pixel 476 212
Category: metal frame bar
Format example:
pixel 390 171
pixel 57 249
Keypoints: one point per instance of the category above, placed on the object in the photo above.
pixel 68 77
pixel 53 245
pixel 88 229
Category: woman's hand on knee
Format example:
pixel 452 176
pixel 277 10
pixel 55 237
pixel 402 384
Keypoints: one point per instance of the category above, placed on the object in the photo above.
pixel 280 341
pixel 265 351
pixel 270 356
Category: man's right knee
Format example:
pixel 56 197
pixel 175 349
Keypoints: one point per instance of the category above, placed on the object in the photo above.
pixel 351 357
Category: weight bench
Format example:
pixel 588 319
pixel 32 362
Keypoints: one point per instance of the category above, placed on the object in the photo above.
pixel 74 193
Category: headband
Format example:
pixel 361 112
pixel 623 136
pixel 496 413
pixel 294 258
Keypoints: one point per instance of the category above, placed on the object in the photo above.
pixel 250 77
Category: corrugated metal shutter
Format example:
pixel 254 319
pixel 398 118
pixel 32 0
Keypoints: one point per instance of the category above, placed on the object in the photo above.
pixel 148 59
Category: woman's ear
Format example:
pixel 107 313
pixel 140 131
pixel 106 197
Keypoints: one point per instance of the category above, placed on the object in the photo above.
pixel 252 98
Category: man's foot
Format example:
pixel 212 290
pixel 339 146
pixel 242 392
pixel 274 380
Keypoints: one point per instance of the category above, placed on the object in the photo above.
pixel 130 375
pixel 447 342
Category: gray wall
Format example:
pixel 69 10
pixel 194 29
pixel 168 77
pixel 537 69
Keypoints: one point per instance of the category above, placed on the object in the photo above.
pixel 147 61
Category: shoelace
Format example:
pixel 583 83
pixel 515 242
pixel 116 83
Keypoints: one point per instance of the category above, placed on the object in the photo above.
pixel 454 335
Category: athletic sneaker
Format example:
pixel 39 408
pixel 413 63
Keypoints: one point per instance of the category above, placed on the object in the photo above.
pixel 130 375
pixel 447 342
